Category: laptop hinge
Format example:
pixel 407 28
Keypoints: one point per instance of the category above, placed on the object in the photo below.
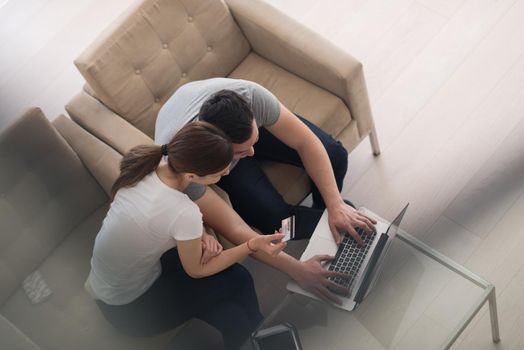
pixel 368 274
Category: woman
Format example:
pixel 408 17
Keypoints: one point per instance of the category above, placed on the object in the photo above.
pixel 151 268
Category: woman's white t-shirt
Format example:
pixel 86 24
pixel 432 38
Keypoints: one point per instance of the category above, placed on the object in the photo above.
pixel 143 222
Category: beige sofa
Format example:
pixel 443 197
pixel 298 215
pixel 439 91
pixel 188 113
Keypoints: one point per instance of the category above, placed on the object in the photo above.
pixel 54 188
pixel 137 63
pixel 56 178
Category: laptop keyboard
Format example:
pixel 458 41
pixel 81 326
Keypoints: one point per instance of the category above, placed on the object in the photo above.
pixel 349 259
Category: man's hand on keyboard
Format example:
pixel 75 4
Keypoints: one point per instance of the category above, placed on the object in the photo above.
pixel 342 217
pixel 314 278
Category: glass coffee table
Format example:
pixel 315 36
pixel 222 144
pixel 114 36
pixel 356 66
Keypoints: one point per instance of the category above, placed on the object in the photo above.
pixel 423 300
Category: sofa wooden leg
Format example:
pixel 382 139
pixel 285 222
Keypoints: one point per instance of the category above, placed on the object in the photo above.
pixel 374 142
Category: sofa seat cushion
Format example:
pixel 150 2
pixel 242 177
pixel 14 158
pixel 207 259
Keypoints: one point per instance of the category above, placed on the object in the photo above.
pixel 305 99
pixel 70 318
pixel 301 97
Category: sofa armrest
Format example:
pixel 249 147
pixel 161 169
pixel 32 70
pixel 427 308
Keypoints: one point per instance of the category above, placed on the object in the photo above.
pixel 102 161
pixel 296 48
pixel 103 123
pixel 12 338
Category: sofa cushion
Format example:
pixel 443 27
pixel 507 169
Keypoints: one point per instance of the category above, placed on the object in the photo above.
pixel 45 191
pixel 137 63
pixel 102 161
pixel 69 318
pixel 301 97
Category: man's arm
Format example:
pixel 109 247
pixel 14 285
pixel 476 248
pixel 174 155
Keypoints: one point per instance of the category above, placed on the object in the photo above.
pixel 310 275
pixel 293 132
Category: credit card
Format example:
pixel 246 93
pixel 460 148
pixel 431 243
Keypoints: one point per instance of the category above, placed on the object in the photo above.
pixel 288 228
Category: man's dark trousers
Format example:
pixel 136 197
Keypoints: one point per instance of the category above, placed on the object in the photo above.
pixel 256 200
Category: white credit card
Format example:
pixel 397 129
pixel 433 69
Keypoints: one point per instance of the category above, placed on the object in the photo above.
pixel 288 228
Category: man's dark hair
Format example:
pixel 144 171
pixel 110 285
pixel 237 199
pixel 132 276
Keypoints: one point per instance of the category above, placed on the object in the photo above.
pixel 231 113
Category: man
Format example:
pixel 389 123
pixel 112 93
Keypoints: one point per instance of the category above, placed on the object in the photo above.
pixel 261 128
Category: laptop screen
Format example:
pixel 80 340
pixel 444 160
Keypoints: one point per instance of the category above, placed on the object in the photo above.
pixel 375 263
pixel 393 227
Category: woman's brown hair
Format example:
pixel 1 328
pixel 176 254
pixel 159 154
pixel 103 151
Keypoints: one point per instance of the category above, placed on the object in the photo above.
pixel 199 148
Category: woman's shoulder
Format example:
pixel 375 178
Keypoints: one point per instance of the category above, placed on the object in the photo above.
pixel 152 192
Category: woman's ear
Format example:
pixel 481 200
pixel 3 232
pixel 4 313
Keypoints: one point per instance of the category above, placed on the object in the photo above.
pixel 189 176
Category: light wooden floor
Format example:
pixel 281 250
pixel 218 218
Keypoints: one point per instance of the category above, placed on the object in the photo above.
pixel 446 83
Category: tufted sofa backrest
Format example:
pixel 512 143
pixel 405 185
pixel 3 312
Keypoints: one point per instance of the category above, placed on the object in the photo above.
pixel 45 192
pixel 157 46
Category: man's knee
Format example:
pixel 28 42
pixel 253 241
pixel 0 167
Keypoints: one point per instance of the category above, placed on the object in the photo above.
pixel 338 156
pixel 269 217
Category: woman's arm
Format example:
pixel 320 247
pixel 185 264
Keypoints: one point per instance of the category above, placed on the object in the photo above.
pixel 190 252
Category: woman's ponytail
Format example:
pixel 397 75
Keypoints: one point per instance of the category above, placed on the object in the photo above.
pixel 136 164
pixel 199 147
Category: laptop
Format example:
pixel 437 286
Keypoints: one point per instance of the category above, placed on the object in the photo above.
pixel 362 263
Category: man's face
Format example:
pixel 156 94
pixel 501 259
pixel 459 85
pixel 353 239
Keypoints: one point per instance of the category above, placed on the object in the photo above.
pixel 241 150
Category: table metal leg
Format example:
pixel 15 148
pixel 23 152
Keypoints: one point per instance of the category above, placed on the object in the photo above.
pixel 493 315
pixel 488 295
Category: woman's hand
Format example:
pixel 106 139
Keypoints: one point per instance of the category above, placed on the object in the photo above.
pixel 269 244
pixel 210 248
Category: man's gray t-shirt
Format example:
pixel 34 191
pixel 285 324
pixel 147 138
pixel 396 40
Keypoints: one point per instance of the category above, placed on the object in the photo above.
pixel 185 104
